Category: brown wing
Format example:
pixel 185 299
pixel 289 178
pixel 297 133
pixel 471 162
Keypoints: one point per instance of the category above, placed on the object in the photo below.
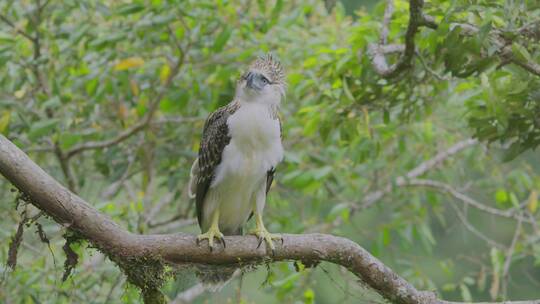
pixel 214 139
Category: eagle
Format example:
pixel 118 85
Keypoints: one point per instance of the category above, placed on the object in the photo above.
pixel 239 151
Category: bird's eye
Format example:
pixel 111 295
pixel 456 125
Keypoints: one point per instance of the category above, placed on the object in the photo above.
pixel 265 80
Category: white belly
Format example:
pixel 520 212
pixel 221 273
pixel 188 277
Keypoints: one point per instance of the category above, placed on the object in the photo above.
pixel 254 149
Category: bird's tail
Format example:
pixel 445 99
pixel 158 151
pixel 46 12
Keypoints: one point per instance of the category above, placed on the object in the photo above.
pixel 214 278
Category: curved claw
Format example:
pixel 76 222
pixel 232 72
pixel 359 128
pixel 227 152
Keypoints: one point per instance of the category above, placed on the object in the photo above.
pixel 210 235
pixel 263 234
pixel 222 239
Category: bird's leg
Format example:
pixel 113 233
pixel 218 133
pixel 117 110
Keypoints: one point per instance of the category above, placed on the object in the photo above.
pixel 263 234
pixel 213 232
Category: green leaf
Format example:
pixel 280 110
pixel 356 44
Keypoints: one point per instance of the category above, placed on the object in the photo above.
pixel 465 293
pixel 52 103
pixel 337 210
pixel 501 196
pixel 41 128
pixel 128 9
pixel 67 140
pixel 4 122
pixel 276 11
pixel 309 296
pixel 222 39
pixel 520 52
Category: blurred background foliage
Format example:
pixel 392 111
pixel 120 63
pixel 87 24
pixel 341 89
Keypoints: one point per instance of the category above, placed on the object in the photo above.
pixel 367 158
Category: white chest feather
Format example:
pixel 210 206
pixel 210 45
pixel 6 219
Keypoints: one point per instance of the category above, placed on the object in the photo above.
pixel 255 145
pixel 254 149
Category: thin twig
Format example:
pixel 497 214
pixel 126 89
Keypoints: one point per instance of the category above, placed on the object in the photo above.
pixel 508 261
pixel 475 231
pixel 440 186
pixel 373 197
pixel 388 11
pixel 17 30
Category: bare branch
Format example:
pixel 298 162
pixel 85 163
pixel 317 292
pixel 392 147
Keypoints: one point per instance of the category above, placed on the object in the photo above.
pixel 508 213
pixel 68 209
pixel 508 260
pixel 388 12
pixel 373 197
pixel 475 231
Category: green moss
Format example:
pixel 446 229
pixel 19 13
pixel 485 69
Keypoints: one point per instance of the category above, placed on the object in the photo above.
pixel 148 274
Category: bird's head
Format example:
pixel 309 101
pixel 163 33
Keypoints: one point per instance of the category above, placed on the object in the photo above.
pixel 264 81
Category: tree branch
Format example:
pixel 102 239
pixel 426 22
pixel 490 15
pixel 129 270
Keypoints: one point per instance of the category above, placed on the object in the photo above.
pixel 463 218
pixel 439 186
pixel 373 197
pixel 508 260
pixel 69 209
pixel 17 30
pixel 377 52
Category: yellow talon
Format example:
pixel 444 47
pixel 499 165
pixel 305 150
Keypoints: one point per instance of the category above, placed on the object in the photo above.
pixel 262 234
pixel 213 232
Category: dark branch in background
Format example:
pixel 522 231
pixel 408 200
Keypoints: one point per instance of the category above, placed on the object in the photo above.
pixel 147 251
pixel 15 28
pixel 377 52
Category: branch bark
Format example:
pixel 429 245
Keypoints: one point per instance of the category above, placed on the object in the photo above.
pixel 378 52
pixel 70 210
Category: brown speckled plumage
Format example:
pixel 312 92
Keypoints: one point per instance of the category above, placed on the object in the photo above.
pixel 214 139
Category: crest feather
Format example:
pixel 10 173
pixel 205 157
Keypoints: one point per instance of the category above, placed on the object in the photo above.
pixel 270 65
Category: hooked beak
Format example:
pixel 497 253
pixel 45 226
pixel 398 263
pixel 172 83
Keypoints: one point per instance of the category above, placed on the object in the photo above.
pixel 249 80
pixel 253 81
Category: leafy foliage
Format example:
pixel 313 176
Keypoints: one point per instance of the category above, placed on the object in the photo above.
pixel 74 73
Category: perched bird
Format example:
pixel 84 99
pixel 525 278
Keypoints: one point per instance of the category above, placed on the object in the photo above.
pixel 239 151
